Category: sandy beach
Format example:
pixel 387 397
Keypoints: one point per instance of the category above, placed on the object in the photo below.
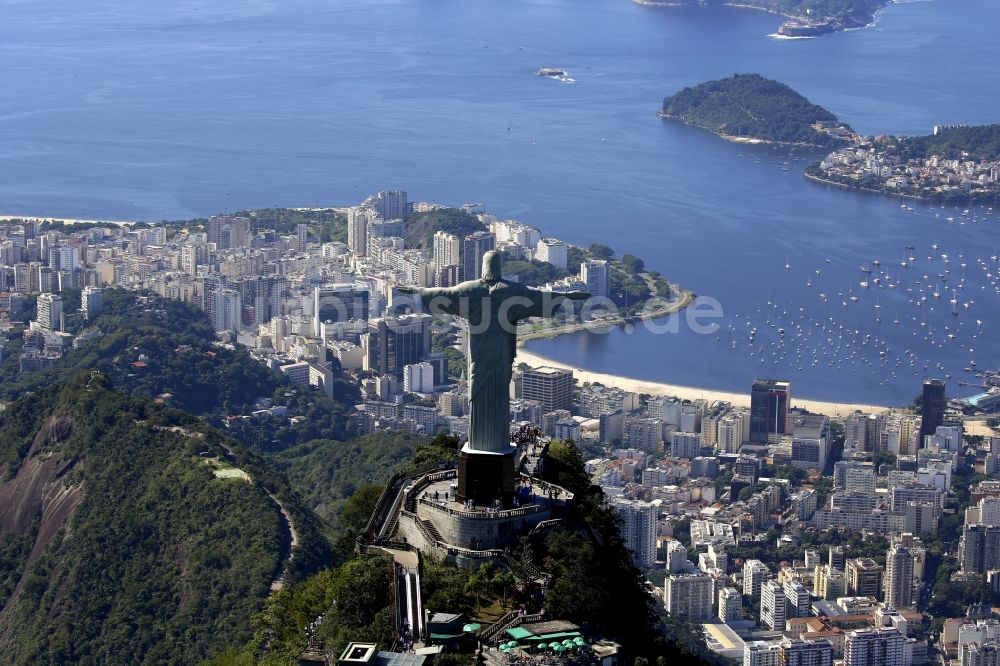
pixel 64 220
pixel 832 409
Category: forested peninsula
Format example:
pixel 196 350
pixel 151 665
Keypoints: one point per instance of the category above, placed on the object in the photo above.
pixel 754 109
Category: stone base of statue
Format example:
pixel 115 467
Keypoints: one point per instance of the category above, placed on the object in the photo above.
pixel 486 476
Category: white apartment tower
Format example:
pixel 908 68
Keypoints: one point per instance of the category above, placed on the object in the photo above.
pixel 772 605
pixel 50 309
pixel 447 249
pixel 418 378
pixel 91 301
pixel 817 652
pixel 755 573
pixel 594 272
pixel 730 604
pixel 761 653
pixel 875 647
pixel 639 529
pixel 677 558
pixel 552 251
pixel 689 596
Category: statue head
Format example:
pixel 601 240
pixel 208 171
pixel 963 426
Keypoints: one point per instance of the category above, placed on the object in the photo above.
pixel 491 266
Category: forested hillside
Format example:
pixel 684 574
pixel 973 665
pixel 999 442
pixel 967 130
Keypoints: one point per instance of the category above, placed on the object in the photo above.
pixel 750 106
pixel 122 537
pixel 980 142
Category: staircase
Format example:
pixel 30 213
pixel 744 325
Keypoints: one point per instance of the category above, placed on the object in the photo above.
pixel 487 634
pixel 429 526
pixel 508 621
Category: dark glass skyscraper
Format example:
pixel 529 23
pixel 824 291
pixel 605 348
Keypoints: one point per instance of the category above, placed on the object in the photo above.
pixel 769 401
pixel 474 246
pixel 932 408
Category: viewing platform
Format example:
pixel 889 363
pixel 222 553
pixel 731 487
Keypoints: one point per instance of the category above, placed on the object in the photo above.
pixel 431 518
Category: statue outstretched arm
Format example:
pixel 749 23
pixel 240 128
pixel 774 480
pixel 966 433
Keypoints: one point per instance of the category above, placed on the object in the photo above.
pixel 439 300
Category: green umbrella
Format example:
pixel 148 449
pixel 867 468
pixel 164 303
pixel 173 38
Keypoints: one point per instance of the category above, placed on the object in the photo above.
pixel 559 648
pixel 567 643
pixel 554 645
pixel 504 648
pixel 471 627
pixel 512 644
pixel 579 640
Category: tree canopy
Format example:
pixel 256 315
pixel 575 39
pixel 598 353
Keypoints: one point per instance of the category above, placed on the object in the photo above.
pixel 751 106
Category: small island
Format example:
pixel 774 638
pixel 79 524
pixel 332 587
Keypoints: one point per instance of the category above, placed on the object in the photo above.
pixel 752 109
pixel 806 18
pixel 955 164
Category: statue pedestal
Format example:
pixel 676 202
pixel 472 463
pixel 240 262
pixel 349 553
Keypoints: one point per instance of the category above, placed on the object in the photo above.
pixel 486 476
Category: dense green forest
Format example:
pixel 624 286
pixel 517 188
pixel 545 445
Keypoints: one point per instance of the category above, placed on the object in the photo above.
pixel 326 473
pixel 977 143
pixel 421 227
pixel 748 105
pixel 123 546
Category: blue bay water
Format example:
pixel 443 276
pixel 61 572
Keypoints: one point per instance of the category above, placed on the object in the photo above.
pixel 139 111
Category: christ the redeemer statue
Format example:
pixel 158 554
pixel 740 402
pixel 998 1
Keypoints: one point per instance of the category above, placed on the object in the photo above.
pixel 492 306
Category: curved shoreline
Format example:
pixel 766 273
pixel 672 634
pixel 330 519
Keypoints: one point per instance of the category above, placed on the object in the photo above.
pixel 899 195
pixel 738 139
pixel 674 306
pixel 831 409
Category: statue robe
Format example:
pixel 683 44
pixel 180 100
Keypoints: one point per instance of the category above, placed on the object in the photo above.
pixel 492 310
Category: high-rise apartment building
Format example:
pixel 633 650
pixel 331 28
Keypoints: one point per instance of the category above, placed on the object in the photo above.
pixel 338 303
pixel 228 232
pixel 875 647
pixel 447 251
pixel 418 378
pixel 594 272
pixel 689 596
pixel 551 251
pixel 810 441
pixel 391 204
pixel 818 652
pixel 769 403
pixel 761 653
pixel 797 599
pixel 898 577
pixel 980 548
pixel 50 310
pixel 553 387
pixel 730 604
pixel 773 610
pixel 225 310
pixel 677 558
pixel 864 578
pixel 638 530
pixel 932 408
pixel 91 302
pixel 836 557
pixel 474 246
pixel 357 230
pixel 755 573
pixel 828 582
pixel 392 343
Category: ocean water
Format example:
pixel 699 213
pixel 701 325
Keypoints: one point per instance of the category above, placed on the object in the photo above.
pixel 140 111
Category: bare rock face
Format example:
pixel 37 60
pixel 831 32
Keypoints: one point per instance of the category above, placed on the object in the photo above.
pixel 40 492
